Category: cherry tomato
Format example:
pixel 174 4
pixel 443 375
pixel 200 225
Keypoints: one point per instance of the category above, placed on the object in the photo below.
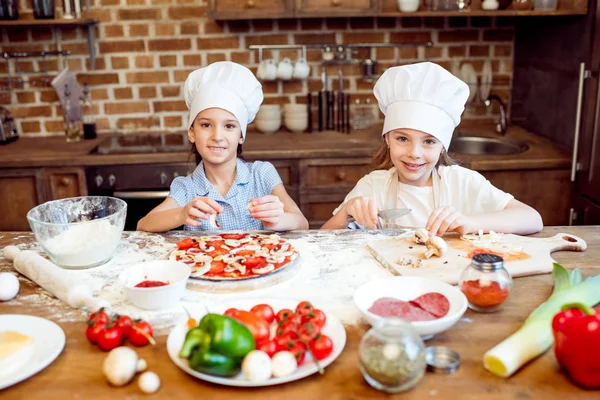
pixel 93 331
pixel 233 236
pixel 308 332
pixel 216 267
pixel 304 308
pixel 187 243
pixel 321 347
pixel 258 326
pixel 298 349
pixel 316 316
pixel 283 315
pixel 110 338
pixel 124 323
pixel 230 312
pixel 255 262
pixel 283 340
pixel 264 311
pixel 100 316
pixel 269 347
pixel 139 334
pixel 286 326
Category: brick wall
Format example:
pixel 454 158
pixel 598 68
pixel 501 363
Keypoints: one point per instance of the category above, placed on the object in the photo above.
pixel 146 49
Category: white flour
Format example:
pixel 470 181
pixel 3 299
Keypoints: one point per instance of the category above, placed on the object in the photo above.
pixel 332 268
pixel 86 243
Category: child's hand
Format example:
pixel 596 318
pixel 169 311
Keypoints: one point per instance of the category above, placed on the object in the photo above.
pixel 267 209
pixel 200 208
pixel 447 219
pixel 363 210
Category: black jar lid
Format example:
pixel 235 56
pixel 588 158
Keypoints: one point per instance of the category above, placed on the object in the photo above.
pixel 487 262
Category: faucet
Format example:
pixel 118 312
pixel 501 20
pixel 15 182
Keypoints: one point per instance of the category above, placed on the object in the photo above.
pixel 501 126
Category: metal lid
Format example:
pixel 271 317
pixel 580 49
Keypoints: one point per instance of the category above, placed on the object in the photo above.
pixel 487 262
pixel 441 359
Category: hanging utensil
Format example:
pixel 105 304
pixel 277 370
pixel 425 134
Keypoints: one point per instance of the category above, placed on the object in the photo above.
pixel 309 110
pixel 322 97
pixel 340 104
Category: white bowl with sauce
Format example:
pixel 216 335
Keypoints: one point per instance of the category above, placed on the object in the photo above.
pixel 408 288
pixel 149 295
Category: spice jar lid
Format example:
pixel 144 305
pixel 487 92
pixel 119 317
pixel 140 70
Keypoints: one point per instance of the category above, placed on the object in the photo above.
pixel 441 359
pixel 487 262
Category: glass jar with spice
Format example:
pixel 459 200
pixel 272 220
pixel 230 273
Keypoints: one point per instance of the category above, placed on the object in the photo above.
pixel 486 283
pixel 392 355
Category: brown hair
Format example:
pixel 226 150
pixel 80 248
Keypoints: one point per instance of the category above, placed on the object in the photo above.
pixel 382 159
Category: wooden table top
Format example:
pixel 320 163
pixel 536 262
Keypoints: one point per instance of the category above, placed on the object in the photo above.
pixel 76 373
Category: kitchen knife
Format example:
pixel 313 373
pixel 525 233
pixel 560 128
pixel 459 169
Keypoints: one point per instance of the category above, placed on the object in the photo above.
pixel 340 103
pixel 309 110
pixel 347 119
pixel 386 215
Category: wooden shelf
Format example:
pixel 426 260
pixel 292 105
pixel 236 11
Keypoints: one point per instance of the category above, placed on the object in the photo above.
pixel 484 13
pixel 38 23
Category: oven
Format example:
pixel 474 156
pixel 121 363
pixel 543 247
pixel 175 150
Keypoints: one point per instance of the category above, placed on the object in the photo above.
pixel 141 186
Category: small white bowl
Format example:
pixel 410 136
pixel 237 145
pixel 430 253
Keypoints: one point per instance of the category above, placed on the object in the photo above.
pixel 268 126
pixel 408 288
pixel 153 298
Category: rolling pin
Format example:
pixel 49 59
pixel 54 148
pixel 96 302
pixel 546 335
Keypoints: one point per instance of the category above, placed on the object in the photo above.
pixel 54 279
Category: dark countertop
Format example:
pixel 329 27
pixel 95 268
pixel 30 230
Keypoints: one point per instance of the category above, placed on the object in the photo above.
pixel 55 152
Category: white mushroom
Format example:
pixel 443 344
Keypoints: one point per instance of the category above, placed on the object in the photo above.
pixel 413 262
pixel 257 366
pixel 232 243
pixel 421 236
pixel 212 221
pixel 149 382
pixel 264 270
pixel 120 365
pixel 141 365
pixel 436 246
pixel 284 363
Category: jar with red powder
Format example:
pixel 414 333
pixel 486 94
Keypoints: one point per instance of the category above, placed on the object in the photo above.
pixel 486 283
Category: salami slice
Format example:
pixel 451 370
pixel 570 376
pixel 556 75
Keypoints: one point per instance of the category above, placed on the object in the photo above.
pixel 389 307
pixel 434 303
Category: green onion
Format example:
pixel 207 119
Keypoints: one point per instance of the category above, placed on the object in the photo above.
pixel 535 336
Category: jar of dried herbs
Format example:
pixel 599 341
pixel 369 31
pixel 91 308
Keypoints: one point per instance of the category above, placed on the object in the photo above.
pixel 392 356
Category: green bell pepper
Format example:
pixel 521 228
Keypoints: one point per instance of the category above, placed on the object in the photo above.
pixel 217 345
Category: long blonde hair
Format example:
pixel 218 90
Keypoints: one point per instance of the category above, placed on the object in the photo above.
pixel 382 159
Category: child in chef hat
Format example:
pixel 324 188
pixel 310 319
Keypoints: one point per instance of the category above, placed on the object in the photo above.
pixel 223 98
pixel 422 104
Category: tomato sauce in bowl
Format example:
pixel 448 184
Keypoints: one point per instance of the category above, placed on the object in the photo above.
pixel 151 284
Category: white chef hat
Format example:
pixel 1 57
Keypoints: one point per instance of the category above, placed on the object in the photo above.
pixel 225 85
pixel 422 96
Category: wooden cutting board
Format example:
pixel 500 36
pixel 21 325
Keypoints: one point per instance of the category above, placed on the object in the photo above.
pixel 534 259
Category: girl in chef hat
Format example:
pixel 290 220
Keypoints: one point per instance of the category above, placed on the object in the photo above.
pixel 223 99
pixel 422 104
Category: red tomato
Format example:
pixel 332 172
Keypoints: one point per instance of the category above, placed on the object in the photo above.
pixel 110 338
pixel 245 253
pixel 233 236
pixel 286 326
pixel 139 333
pixel 217 245
pixel 93 331
pixel 317 317
pixel 187 243
pixel 283 340
pixel 255 262
pixel 216 267
pixel 284 314
pixel 304 308
pixel 321 347
pixel 269 347
pixel 100 316
pixel 298 349
pixel 264 311
pixel 230 312
pixel 308 332
pixel 258 326
pixel 124 323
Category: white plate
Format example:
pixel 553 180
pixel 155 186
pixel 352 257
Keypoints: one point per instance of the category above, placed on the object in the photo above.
pixel 486 81
pixel 49 341
pixel 469 76
pixel 333 328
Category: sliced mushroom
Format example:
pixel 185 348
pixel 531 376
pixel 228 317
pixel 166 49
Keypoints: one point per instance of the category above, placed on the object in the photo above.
pixel 232 243
pixel 436 246
pixel 276 259
pixel 225 247
pixel 212 221
pixel 421 236
pixel 239 267
pixel 230 258
pixel 264 270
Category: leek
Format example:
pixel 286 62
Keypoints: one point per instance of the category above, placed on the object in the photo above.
pixel 535 336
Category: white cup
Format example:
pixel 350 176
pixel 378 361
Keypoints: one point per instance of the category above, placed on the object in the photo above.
pixel 285 69
pixel 296 123
pixel 301 69
pixel 408 5
pixel 267 70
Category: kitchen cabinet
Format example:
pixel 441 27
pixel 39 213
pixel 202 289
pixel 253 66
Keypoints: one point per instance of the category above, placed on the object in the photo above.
pixel 335 8
pixel 250 9
pixel 23 189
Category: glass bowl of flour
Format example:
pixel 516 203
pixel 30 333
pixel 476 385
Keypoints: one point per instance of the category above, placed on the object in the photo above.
pixel 79 232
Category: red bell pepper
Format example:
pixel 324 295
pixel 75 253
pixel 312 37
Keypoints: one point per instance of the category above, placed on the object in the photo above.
pixel 576 332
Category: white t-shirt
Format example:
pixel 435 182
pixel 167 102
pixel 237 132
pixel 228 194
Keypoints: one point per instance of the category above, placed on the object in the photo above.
pixel 468 191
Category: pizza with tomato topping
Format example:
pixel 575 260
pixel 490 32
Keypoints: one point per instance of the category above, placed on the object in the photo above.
pixel 231 256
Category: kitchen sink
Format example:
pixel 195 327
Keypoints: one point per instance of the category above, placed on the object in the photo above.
pixel 476 145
